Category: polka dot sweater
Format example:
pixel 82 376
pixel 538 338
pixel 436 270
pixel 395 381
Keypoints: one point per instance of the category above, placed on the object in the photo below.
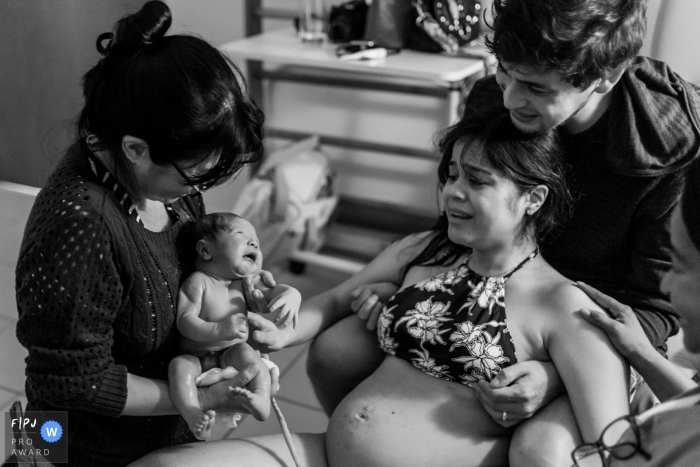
pixel 96 294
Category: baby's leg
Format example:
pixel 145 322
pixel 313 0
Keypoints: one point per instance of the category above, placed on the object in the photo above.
pixel 182 372
pixel 256 396
pixel 215 375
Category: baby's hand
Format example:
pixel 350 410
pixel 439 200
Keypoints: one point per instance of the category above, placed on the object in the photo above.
pixel 369 299
pixel 287 306
pixel 234 327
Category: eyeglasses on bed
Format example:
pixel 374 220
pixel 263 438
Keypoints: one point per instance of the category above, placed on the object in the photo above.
pixel 611 444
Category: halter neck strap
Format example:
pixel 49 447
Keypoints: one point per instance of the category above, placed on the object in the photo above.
pixel 510 272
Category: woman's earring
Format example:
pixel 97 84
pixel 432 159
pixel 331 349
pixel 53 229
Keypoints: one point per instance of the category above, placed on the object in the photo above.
pixel 92 141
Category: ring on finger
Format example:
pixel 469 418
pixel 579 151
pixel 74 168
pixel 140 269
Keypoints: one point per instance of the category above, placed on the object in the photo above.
pixel 505 416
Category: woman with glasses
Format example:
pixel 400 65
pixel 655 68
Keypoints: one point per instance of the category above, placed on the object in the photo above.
pixel 164 117
pixel 669 434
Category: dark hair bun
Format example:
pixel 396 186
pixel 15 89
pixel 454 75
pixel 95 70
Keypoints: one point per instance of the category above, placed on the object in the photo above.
pixel 144 27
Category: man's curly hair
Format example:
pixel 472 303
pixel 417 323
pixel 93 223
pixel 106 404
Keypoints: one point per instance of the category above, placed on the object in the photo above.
pixel 582 40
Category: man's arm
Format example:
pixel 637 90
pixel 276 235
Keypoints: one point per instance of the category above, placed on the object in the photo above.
pixel 520 391
pixel 651 259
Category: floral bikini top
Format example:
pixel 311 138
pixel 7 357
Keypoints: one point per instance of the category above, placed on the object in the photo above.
pixel 452 326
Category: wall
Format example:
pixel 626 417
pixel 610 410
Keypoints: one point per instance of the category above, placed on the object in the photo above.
pixel 395 118
pixel 368 115
pixel 217 21
pixel 45 47
pixel 375 116
pixel 674 36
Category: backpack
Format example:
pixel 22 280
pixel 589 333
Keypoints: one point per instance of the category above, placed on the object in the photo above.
pixel 289 201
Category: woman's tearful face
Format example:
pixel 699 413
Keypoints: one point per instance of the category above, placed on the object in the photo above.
pixel 482 205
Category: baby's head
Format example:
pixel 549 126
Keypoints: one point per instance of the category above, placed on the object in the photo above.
pixel 226 245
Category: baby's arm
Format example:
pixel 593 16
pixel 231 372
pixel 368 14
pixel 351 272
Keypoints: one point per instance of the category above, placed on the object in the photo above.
pixel 192 326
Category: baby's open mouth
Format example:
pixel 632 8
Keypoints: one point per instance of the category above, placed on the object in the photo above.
pixel 251 256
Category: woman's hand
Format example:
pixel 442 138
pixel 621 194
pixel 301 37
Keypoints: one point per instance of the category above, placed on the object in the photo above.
pixel 255 298
pixel 623 329
pixel 264 335
pixel 220 397
pixel 665 379
pixel 369 299
pixel 286 305
pixel 519 391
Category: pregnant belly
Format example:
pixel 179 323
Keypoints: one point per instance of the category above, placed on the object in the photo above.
pixel 400 416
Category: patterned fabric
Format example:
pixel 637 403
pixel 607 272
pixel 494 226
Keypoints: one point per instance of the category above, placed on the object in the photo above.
pixel 106 179
pixel 452 326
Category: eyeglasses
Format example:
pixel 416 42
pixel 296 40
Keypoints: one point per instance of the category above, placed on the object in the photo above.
pixel 187 178
pixel 610 444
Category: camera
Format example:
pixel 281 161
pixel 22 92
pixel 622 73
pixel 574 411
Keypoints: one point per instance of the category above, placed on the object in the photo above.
pixel 346 22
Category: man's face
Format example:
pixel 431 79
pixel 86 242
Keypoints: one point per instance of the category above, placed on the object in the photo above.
pixel 541 100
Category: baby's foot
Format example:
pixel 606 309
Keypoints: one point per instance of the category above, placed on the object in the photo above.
pixel 215 375
pixel 201 424
pixel 257 404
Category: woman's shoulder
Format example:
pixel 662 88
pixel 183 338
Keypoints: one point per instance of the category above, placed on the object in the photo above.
pixel 68 192
pixel 558 294
pixel 195 282
pixel 389 265
pixel 68 206
pixel 416 240
pixel 411 245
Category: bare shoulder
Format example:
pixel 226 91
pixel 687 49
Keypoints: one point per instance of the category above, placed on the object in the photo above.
pixel 389 264
pixel 415 240
pixel 561 301
pixel 195 281
pixel 560 295
pixel 411 245
pixel 566 295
